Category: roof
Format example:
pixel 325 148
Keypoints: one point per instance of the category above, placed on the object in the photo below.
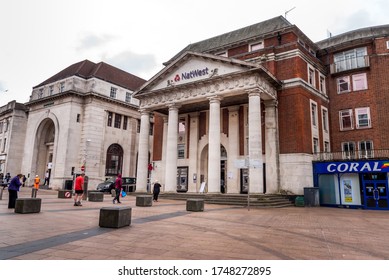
pixel 87 69
pixel 236 36
pixel 354 35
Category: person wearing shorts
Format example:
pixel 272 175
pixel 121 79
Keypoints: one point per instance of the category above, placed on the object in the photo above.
pixel 79 189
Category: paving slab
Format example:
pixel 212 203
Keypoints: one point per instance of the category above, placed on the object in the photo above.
pixel 166 231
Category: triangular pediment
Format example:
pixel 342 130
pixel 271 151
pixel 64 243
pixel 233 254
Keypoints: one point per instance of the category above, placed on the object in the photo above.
pixel 194 67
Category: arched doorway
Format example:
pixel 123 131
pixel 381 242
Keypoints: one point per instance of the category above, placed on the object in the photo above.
pixel 44 148
pixel 223 167
pixel 114 162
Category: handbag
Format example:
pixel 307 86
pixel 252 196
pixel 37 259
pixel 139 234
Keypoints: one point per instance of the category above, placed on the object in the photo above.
pixel 123 193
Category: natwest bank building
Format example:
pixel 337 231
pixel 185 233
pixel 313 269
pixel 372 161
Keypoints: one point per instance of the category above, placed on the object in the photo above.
pixel 237 113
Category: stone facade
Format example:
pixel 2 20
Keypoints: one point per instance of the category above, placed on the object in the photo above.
pixel 73 124
pixel 13 123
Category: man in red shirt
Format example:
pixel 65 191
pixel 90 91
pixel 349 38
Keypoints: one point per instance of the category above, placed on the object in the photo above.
pixel 79 189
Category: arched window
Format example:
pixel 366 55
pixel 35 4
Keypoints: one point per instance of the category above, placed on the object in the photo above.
pixel 114 161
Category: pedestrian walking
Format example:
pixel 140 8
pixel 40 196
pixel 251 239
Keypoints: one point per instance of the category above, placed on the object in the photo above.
pixel 13 189
pixel 24 180
pixel 7 177
pixel 79 189
pixel 35 188
pixel 156 190
pixel 47 178
pixel 118 188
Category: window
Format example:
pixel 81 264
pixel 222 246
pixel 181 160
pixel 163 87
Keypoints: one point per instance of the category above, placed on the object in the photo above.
pixel 151 131
pixel 78 117
pixel 326 147
pixel 343 84
pixel 113 92
pixel 125 122
pixel 1 127
pixel 128 97
pixel 316 148
pixel 224 54
pixel 314 114
pixel 6 123
pixel 362 117
pixel 322 84
pixel 346 119
pixel 114 161
pixel 365 149
pixel 311 76
pixel 256 46
pixel 5 144
pixel 324 113
pixel 181 150
pixel 40 93
pixel 118 120
pixel 350 59
pixel 109 122
pixel 387 45
pixel 138 126
pixel 181 137
pixel 62 87
pixel 359 82
pixel 51 90
pixel 348 150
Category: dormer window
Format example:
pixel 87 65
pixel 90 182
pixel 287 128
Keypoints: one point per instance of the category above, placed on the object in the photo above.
pixel 256 46
pixel 224 54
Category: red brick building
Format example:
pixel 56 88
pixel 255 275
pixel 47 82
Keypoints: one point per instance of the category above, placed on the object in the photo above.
pixel 295 123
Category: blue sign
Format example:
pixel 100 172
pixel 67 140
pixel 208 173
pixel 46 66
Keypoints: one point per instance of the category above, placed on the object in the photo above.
pixel 351 167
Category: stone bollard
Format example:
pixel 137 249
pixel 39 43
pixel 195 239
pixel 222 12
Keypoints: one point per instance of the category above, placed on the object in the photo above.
pixel 195 205
pixel 144 200
pixel 95 196
pixel 28 205
pixel 115 217
pixel 64 194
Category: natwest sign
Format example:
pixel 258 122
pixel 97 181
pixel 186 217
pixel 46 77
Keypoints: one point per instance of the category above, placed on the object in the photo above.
pixel 195 73
pixel 351 167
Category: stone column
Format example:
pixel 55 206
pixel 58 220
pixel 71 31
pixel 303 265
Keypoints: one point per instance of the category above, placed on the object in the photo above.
pixel 193 151
pixel 255 142
pixel 162 172
pixel 233 150
pixel 214 145
pixel 171 150
pixel 143 152
pixel 271 147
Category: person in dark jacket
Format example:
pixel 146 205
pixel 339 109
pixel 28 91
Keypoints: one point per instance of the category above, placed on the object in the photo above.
pixel 13 189
pixel 156 190
pixel 118 188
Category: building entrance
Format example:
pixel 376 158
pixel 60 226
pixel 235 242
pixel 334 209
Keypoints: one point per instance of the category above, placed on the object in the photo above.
pixel 375 191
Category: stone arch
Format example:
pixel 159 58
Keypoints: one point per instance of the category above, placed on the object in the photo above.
pixel 45 146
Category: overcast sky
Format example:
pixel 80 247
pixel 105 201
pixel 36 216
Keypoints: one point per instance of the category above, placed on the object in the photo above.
pixel 39 38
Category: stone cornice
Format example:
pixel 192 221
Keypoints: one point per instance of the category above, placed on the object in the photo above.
pixel 202 90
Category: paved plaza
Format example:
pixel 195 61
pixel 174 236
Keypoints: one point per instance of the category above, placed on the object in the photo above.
pixel 166 231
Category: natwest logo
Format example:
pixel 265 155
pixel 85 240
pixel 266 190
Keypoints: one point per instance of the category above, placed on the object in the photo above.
pixel 194 74
pixel 191 74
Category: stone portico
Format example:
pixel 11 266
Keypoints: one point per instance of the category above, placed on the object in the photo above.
pixel 216 114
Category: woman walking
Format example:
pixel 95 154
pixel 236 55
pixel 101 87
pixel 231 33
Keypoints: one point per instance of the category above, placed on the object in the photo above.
pixel 13 189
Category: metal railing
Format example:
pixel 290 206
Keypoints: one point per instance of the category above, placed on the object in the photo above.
pixel 352 155
pixel 349 64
